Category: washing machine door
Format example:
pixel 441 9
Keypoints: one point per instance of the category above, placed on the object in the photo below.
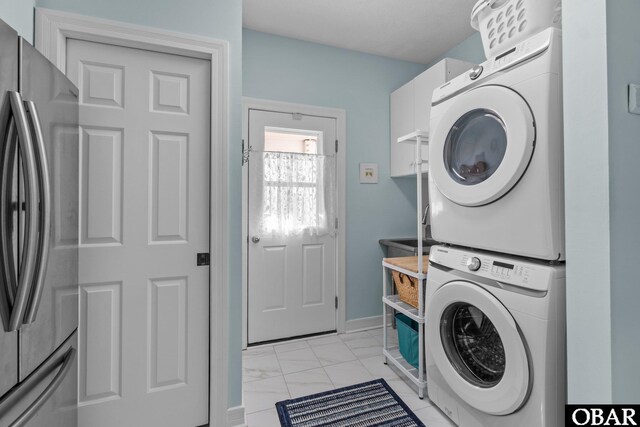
pixel 481 146
pixel 478 348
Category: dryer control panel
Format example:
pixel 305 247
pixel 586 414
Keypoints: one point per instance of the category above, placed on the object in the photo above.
pixel 518 54
pixel 512 271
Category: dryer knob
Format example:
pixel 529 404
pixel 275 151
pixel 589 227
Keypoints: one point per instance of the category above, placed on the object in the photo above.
pixel 475 72
pixel 473 263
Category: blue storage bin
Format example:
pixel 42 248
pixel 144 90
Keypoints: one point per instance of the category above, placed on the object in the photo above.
pixel 408 339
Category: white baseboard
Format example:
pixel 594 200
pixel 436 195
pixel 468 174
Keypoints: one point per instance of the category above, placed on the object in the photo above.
pixel 235 417
pixel 365 323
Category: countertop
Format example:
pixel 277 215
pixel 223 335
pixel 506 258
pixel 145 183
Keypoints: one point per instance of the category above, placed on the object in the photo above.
pixel 407 243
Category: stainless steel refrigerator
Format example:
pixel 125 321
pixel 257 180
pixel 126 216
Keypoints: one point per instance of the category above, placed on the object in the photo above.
pixel 38 238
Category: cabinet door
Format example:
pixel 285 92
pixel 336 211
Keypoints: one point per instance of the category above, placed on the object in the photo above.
pixel 428 81
pixel 411 110
pixel 424 86
pixel 402 123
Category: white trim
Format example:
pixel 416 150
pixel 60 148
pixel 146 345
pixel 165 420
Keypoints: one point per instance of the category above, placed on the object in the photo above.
pixel 235 417
pixel 365 323
pixel 341 118
pixel 53 28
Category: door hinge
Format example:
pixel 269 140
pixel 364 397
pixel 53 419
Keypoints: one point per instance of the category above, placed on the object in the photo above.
pixel 336 223
pixel 245 153
pixel 336 145
pixel 202 259
pixel 336 303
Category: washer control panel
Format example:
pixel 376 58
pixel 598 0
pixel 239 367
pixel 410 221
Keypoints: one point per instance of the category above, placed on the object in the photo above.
pixel 512 271
pixel 512 57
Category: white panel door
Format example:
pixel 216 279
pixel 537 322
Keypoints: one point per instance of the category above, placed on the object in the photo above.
pixel 292 273
pixel 144 303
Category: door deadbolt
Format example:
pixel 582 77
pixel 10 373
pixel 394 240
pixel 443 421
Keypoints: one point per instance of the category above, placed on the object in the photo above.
pixel 202 259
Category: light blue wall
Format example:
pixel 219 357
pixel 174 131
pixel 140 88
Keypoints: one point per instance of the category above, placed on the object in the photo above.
pixel 283 69
pixel 623 50
pixel 601 57
pixel 19 14
pixel 219 19
pixel 587 220
pixel 586 148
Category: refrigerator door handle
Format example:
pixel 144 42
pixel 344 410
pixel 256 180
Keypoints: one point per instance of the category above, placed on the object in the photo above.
pixel 29 255
pixel 64 363
pixel 44 187
pixel 9 278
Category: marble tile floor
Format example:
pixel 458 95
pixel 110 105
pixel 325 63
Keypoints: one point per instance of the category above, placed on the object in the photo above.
pixel 298 368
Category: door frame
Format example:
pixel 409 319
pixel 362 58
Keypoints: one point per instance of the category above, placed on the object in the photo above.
pixel 52 30
pixel 340 115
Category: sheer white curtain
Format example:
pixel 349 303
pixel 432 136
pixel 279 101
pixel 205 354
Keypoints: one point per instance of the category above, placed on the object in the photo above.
pixel 294 193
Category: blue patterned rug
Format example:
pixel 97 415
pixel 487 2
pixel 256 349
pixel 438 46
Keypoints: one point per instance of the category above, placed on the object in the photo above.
pixel 370 404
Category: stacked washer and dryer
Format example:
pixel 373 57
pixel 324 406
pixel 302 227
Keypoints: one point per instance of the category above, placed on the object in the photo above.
pixel 495 336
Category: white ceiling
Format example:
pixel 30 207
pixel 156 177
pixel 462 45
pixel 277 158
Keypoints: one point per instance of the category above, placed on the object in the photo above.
pixel 412 30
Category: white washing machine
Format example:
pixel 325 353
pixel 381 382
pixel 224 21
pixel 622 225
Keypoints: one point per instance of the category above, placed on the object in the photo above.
pixel 496 153
pixel 495 339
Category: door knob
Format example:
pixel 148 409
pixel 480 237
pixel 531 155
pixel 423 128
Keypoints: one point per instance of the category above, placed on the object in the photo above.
pixel 255 239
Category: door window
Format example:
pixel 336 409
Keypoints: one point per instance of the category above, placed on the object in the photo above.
pixel 475 147
pixel 296 183
pixel 473 345
pixel 292 141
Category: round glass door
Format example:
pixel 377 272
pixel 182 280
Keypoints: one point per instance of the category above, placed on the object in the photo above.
pixel 472 344
pixel 476 345
pixel 475 147
pixel 480 145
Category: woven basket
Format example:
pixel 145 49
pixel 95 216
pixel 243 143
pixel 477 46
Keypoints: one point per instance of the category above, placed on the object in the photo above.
pixel 407 288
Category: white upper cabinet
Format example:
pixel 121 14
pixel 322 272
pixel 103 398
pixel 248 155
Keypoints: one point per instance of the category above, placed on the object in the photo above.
pixel 410 107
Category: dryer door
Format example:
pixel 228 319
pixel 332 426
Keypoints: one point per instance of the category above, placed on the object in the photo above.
pixel 481 146
pixel 477 346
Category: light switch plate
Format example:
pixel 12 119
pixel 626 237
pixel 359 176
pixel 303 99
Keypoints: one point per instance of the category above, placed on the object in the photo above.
pixel 634 98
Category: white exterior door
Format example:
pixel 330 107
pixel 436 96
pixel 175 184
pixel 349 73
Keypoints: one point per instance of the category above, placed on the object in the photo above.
pixel 292 235
pixel 144 303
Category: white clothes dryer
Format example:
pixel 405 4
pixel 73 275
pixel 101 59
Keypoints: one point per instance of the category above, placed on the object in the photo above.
pixel 495 339
pixel 496 153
